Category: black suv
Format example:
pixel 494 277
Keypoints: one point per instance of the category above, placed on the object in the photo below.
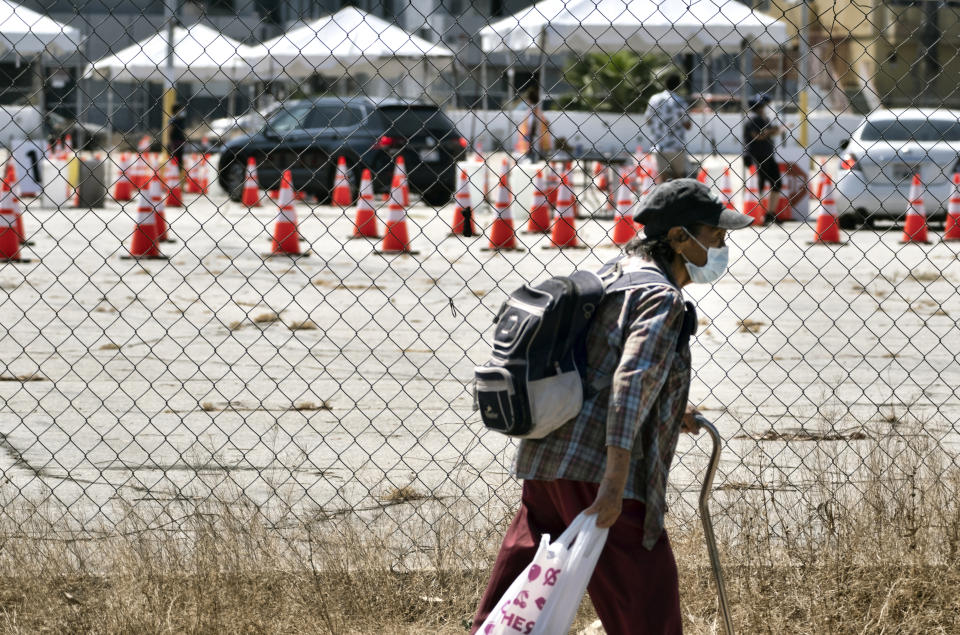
pixel 308 136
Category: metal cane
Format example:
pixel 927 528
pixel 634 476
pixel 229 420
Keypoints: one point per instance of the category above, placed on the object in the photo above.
pixel 708 524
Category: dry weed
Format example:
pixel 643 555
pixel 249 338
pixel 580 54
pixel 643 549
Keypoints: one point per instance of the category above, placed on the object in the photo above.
pixel 307 406
pixel 851 544
pixel 266 318
pixel 303 325
pixel 750 326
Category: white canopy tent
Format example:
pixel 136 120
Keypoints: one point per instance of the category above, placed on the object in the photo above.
pixel 200 54
pixel 25 32
pixel 671 26
pixel 349 41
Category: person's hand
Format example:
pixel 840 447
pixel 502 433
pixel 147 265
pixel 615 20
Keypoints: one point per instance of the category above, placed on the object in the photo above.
pixel 608 504
pixel 689 423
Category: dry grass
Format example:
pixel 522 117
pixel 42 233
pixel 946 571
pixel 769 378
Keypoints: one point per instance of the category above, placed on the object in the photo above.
pixel 24 378
pixel 303 325
pixel 266 318
pixel 751 326
pixel 876 551
pixel 308 406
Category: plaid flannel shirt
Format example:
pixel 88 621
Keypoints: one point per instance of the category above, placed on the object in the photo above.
pixel 665 116
pixel 632 349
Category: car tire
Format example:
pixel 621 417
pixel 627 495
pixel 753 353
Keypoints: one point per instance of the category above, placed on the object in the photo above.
pixel 437 196
pixel 231 179
pixel 850 221
pixel 866 219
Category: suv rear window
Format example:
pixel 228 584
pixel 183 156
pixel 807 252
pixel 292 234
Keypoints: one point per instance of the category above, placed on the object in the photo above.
pixel 912 130
pixel 410 121
pixel 334 116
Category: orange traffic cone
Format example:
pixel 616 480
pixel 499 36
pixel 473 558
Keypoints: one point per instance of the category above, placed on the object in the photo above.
pixel 828 227
pixel 395 237
pixel 646 181
pixel 171 179
pixel 123 188
pixel 140 173
pixel 502 236
pixel 726 189
pixel 286 236
pixel 145 242
pixel 401 169
pixel 539 221
pixel 486 173
pixel 564 234
pixel 553 185
pixel 342 196
pixel 702 175
pixel 951 229
pixel 752 206
pixel 11 179
pixel 784 212
pixel 251 192
pixel 158 198
pixel 638 163
pixel 600 178
pixel 9 236
pixel 204 174
pixel 192 171
pixel 624 229
pixel 463 223
pixel 915 227
pixel 365 225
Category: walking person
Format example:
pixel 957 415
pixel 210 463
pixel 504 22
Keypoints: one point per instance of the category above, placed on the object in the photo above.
pixel 667 120
pixel 613 458
pixel 177 134
pixel 758 150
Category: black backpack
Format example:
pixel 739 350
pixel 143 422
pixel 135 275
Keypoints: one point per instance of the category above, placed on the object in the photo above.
pixel 534 381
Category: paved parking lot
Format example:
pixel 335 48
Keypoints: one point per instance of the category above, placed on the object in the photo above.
pixel 329 381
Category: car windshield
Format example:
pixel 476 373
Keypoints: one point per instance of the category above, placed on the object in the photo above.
pixel 912 130
pixel 290 117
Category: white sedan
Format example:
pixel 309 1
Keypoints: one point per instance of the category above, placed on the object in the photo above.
pixel 879 161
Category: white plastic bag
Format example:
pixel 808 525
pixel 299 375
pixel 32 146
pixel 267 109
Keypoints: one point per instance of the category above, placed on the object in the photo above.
pixel 544 599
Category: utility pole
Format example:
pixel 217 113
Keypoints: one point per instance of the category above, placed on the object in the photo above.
pixel 803 75
pixel 169 91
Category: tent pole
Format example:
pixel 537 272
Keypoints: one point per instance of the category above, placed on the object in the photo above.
pixel 109 125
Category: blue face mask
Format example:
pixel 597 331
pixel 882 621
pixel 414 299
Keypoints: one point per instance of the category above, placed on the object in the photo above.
pixel 717 260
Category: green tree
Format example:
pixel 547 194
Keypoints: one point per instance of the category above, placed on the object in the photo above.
pixel 621 82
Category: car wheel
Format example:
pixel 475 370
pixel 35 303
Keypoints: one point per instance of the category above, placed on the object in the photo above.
pixel 437 196
pixel 866 218
pixel 849 221
pixel 231 179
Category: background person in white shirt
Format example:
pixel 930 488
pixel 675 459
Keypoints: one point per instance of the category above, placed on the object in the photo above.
pixel 667 121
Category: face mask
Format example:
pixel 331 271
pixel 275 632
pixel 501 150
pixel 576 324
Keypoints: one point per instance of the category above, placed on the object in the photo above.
pixel 717 260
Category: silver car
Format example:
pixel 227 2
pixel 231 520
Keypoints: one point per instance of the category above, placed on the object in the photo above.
pixel 879 161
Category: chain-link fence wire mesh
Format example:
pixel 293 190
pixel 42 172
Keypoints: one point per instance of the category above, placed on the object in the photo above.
pixel 292 343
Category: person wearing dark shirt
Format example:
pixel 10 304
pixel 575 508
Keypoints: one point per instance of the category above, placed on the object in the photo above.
pixel 758 150
pixel 176 127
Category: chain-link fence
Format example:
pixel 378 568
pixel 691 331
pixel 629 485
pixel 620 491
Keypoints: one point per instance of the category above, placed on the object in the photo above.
pixel 253 251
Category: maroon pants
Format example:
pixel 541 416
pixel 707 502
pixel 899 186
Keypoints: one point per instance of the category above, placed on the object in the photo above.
pixel 635 591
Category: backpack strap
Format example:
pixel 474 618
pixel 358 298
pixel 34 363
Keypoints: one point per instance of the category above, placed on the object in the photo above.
pixel 621 274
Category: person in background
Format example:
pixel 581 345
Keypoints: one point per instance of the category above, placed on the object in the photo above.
pixel 667 121
pixel 176 127
pixel 533 131
pixel 758 150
